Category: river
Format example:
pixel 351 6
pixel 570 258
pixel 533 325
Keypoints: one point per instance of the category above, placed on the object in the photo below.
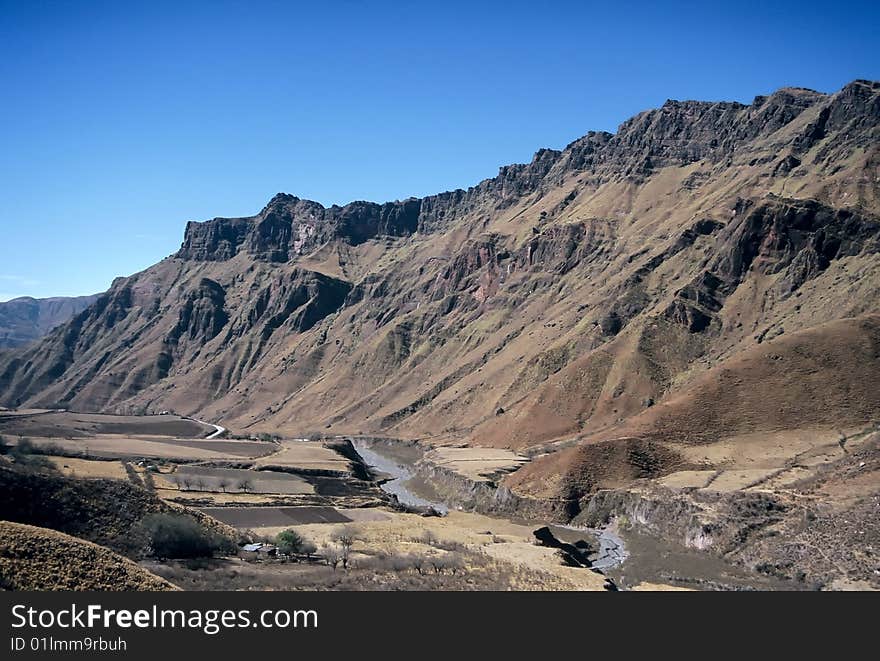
pixel 398 475
pixel 401 473
pixel 628 556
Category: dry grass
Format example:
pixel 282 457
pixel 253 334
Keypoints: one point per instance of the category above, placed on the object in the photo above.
pixel 475 463
pixel 306 455
pixel 73 467
pixel 34 558
pixel 508 545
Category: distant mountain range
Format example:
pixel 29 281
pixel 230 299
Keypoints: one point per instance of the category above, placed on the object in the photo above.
pixel 709 272
pixel 25 319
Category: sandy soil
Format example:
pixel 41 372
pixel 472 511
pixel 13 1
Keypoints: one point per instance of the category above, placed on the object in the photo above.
pixel 739 479
pixel 687 479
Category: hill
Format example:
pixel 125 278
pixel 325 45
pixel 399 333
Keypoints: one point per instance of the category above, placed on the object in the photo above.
pixel 103 511
pixel 33 558
pixel 25 319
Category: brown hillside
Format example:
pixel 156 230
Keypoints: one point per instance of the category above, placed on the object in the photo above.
pixel 33 558
pixel 822 378
pixel 104 511
pixel 575 296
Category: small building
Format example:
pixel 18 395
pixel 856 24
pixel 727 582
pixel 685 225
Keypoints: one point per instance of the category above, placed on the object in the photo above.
pixel 258 550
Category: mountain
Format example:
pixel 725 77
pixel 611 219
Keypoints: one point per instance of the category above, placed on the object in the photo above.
pixel 24 319
pixel 710 270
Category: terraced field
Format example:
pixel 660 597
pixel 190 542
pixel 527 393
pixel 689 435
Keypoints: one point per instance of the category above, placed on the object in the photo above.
pixel 239 480
pixel 123 447
pixel 262 517
pixel 307 456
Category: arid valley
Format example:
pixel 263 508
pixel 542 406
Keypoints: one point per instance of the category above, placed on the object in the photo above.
pixel 647 361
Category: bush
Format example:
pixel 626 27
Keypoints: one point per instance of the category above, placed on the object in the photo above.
pixel 290 542
pixel 26 454
pixel 181 536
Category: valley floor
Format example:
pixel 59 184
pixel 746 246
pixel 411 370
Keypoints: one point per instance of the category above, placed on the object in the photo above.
pixel 762 515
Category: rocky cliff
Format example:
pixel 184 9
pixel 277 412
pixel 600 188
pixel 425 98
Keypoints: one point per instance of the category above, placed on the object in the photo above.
pixel 553 307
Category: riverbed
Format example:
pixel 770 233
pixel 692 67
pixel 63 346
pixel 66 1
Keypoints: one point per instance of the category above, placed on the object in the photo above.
pixel 396 476
pixel 627 556
pixel 397 468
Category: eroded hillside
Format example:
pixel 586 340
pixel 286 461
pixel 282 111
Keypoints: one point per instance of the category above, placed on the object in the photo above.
pixel 706 256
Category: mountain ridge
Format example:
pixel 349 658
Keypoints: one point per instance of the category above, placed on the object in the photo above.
pixel 558 300
pixel 25 318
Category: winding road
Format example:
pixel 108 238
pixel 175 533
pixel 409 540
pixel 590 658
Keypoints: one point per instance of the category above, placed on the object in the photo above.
pixel 218 430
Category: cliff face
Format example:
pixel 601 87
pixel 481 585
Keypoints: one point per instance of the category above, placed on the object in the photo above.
pixel 560 300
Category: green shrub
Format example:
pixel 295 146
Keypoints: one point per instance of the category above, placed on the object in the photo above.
pixel 181 536
pixel 290 542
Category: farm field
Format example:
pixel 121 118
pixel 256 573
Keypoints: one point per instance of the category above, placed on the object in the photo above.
pixel 306 455
pixel 66 424
pixel 74 467
pixel 214 498
pixel 476 463
pixel 234 479
pixel 273 517
pixel 160 448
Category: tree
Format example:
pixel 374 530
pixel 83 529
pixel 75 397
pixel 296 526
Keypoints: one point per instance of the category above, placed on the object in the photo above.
pixel 448 561
pixel 200 484
pixel 223 485
pixel 245 485
pixel 419 563
pixel 181 536
pixel 290 542
pixel 345 539
pixel 429 539
pixel 24 446
pixel 25 453
pixel 331 555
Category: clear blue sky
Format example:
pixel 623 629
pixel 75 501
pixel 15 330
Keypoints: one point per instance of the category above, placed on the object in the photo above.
pixel 119 123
